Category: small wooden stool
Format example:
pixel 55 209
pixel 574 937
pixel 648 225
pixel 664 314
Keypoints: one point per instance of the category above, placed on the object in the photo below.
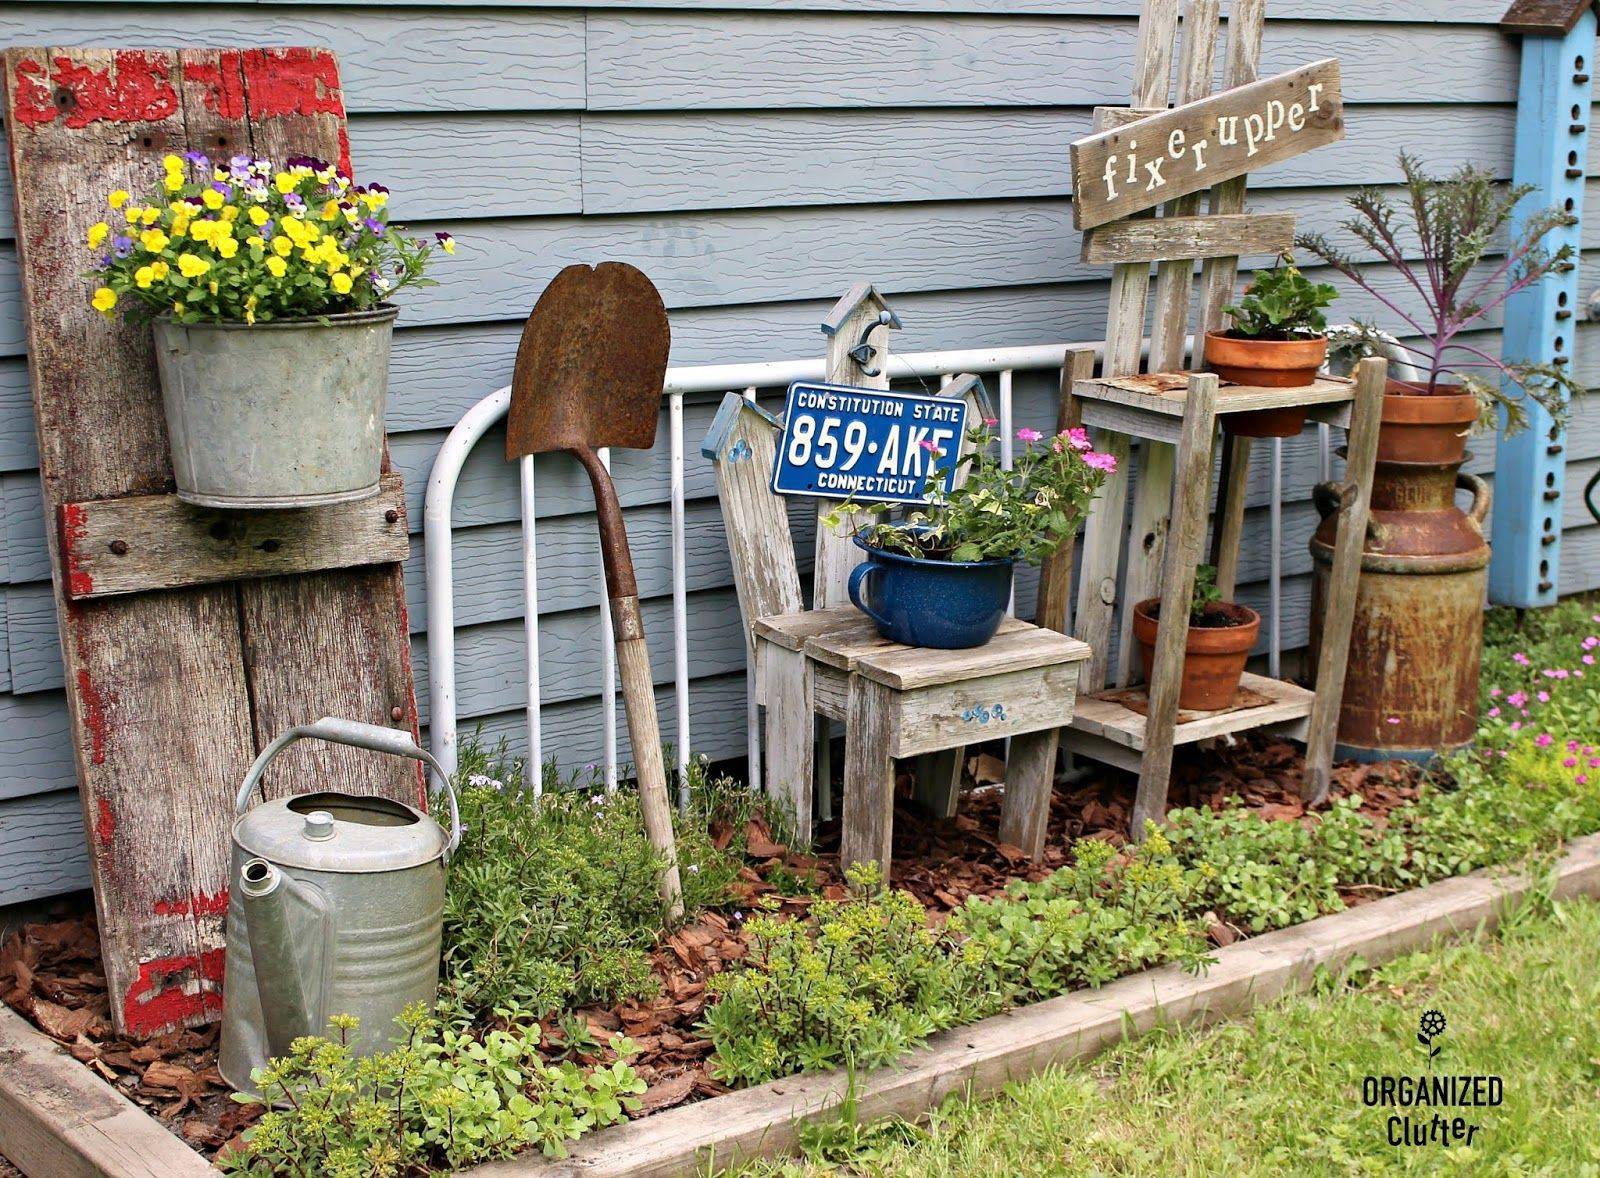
pixel 904 701
pixel 895 701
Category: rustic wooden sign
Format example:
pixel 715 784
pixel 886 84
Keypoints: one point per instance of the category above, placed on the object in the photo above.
pixel 1135 167
pixel 173 692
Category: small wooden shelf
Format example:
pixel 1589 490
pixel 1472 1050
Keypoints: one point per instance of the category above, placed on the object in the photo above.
pixel 1108 721
pixel 1150 405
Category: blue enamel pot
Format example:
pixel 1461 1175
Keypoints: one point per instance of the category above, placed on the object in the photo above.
pixel 938 603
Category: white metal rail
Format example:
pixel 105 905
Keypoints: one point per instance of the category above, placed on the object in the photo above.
pixel 680 382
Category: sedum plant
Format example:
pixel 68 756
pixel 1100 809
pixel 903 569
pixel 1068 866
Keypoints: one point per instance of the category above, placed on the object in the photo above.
pixel 443 1098
pixel 859 987
pixel 1110 913
pixel 242 241
pixel 1452 226
pixel 1281 304
pixel 1026 512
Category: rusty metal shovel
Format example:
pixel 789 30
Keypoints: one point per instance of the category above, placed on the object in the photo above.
pixel 589 375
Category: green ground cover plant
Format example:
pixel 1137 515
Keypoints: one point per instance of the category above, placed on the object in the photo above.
pixel 858 986
pixel 554 905
pixel 444 1098
pixel 1279 1090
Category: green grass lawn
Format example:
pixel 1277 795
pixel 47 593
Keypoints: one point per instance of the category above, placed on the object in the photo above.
pixel 1280 1092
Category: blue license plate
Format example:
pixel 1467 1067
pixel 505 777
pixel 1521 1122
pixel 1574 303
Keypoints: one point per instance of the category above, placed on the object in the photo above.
pixel 874 446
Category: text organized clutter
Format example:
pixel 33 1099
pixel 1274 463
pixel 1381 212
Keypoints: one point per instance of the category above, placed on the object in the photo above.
pixel 1172 153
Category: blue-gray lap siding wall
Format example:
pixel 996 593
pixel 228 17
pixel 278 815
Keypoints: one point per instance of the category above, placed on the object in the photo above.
pixel 754 157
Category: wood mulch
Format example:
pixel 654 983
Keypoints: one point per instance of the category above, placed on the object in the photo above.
pixel 51 973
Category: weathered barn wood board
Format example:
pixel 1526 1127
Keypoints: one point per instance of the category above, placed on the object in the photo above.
pixel 1127 169
pixel 145 542
pixel 171 693
pixel 1167 238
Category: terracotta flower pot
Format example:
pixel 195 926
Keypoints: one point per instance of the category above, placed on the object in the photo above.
pixel 1269 363
pixel 1213 657
pixel 1423 427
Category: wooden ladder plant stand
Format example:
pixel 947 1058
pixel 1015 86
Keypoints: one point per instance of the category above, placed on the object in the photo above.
pixel 190 636
pixel 895 701
pixel 1176 413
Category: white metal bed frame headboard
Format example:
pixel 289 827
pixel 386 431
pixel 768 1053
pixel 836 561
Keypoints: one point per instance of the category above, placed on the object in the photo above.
pixel 682 381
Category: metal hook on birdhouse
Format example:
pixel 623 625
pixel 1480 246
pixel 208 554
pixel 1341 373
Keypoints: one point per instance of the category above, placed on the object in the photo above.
pixel 865 350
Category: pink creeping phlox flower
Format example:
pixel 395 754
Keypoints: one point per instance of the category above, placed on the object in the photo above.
pixel 1494 713
pixel 1517 699
pixel 1544 740
pixel 1520 659
pixel 1569 762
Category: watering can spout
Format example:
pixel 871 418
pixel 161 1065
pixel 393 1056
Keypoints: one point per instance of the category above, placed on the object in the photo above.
pixel 285 924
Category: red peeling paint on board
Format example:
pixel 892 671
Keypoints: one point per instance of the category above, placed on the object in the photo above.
pixel 74 527
pixel 200 904
pixel 173 991
pixel 136 88
pixel 95 708
pixel 30 97
pixel 105 825
pixel 261 84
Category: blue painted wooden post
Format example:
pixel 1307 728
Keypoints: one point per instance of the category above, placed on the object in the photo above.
pixel 1530 469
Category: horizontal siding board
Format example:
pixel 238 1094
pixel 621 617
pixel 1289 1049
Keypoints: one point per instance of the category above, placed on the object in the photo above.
pixel 42 852
pixel 735 259
pixel 1464 12
pixel 528 165
pixel 35 744
pixel 676 161
pixel 488 584
pixel 477 59
pixel 33 638
pixel 572 731
pixel 521 165
pixel 652 60
pixel 489 658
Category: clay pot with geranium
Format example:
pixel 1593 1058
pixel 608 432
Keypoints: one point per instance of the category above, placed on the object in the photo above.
pixel 1221 635
pixel 1278 340
pixel 268 295
pixel 939 573
pixel 1445 239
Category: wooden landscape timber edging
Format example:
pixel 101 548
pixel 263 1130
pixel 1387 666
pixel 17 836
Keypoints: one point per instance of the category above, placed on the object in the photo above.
pixel 58 1118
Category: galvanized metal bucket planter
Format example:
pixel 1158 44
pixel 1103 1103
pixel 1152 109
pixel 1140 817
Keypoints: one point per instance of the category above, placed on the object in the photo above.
pixel 280 414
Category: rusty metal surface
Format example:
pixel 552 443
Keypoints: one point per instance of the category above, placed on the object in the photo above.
pixel 591 364
pixel 1417 638
pixel 589 374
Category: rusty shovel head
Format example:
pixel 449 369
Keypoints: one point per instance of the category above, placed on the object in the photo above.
pixel 591 364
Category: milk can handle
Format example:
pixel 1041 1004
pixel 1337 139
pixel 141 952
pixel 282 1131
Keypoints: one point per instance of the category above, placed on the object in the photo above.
pixel 1481 494
pixel 356 734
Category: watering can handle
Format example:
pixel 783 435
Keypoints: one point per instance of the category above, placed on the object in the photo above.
pixel 356 734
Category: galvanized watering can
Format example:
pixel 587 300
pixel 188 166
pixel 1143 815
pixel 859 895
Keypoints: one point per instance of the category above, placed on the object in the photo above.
pixel 336 907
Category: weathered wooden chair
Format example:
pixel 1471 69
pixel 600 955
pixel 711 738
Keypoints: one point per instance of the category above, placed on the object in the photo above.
pixel 895 701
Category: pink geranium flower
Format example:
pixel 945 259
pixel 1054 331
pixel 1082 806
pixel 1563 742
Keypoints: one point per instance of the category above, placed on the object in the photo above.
pixel 1028 435
pixel 1105 462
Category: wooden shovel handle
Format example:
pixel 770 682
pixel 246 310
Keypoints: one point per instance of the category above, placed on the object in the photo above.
pixel 639 695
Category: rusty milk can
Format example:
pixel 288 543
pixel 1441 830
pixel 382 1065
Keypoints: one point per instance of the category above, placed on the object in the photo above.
pixel 1411 689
